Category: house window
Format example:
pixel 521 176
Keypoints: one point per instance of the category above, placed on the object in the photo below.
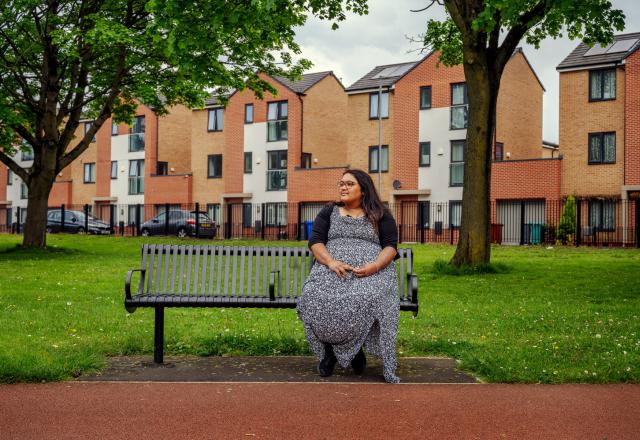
pixel 373 159
pixel 248 162
pixel 215 119
pixel 425 154
pixel 425 97
pixel 498 151
pixel 114 169
pixel 131 214
pixel 136 177
pixel 276 214
pixel 136 138
pixel 9 177
pixel 373 105
pixel 456 168
pixel 459 106
pixel 214 166
pixel 602 85
pixel 602 147
pixel 602 215
pixel 277 119
pixel 455 213
pixel 248 113
pixel 87 127
pixel 213 210
pixel 277 170
pixel 114 128
pixel 24 191
pixel 26 153
pixel 162 168
pixel 306 160
pixel 246 215
pixel 89 173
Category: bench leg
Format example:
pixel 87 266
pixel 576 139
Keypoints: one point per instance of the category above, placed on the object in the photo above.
pixel 158 350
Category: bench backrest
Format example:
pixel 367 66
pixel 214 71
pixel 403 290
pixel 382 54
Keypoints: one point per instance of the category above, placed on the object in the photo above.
pixel 237 271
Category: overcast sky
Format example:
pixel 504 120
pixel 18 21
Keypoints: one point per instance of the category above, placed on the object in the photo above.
pixel 382 38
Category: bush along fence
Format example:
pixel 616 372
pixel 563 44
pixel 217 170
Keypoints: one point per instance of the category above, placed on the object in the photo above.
pixel 597 222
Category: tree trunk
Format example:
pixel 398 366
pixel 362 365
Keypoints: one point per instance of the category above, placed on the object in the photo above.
pixel 36 223
pixel 473 245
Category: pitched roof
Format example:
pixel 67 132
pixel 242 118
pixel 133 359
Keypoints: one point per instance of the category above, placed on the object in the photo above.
pixel 584 56
pixel 385 76
pixel 307 81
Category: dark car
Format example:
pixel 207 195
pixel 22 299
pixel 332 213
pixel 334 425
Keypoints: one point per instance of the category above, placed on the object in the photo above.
pixel 74 222
pixel 181 223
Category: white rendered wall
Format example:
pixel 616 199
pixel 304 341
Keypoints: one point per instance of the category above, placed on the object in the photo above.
pixel 120 186
pixel 13 190
pixel 255 141
pixel 434 128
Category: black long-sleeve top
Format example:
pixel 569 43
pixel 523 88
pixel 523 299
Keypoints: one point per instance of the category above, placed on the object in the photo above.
pixel 387 230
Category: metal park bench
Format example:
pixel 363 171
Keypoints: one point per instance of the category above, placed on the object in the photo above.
pixel 233 276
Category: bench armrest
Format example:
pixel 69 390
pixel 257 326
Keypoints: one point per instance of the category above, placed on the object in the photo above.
pixel 412 282
pixel 127 283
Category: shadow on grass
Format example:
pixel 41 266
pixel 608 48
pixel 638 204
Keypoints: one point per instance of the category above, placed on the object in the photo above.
pixel 19 252
pixel 442 267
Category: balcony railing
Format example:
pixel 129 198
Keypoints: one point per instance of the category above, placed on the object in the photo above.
pixel 136 142
pixel 276 180
pixel 136 185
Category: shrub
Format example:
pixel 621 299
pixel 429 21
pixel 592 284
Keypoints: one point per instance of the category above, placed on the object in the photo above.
pixel 565 233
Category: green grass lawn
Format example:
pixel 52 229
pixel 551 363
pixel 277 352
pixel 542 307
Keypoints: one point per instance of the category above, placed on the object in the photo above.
pixel 550 315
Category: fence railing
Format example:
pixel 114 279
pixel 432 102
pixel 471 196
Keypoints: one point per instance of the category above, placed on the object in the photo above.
pixel 597 222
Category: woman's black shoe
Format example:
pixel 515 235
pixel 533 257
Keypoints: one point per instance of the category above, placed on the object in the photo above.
pixel 327 364
pixel 359 362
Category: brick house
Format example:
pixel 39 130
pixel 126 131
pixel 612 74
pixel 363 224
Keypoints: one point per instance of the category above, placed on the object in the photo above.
pixel 599 134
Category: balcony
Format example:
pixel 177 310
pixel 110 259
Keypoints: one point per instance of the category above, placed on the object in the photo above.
pixel 136 142
pixel 276 180
pixel 136 185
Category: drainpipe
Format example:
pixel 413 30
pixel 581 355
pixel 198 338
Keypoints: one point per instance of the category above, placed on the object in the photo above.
pixel 300 95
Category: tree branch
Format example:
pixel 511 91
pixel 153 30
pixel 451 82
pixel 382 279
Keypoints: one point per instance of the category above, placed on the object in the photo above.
pixel 515 34
pixel 13 166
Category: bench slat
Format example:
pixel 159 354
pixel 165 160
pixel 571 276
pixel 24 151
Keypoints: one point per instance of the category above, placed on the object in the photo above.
pixel 295 255
pixel 227 251
pixel 241 276
pixel 152 255
pixel 402 278
pixel 234 265
pixel 181 251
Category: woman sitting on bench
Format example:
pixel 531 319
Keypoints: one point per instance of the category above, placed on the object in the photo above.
pixel 349 300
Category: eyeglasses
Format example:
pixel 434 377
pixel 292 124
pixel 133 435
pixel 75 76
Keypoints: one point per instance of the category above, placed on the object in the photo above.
pixel 347 183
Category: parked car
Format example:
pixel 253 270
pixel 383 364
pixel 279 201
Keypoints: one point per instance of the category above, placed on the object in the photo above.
pixel 181 223
pixel 74 222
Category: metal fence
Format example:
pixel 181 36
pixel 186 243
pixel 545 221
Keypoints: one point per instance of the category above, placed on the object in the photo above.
pixel 598 222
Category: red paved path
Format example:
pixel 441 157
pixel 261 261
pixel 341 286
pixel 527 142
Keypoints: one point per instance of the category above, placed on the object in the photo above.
pixel 311 410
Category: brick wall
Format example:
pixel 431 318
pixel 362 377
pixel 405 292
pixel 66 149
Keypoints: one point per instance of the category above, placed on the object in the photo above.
pixel 363 133
pixel 61 193
pixel 168 189
pixel 325 124
pixel 632 120
pixel 578 118
pixel 526 179
pixel 314 185
pixel 3 182
pixel 519 110
pixel 83 193
pixel 174 139
pixel 204 143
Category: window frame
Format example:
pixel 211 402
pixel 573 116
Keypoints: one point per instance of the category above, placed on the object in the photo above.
pixel 247 215
pixel 140 165
pixel 114 163
pixel 420 145
pixel 495 152
pixel 601 135
pixel 26 157
pixel 92 172
pixel 306 159
pixel 87 127
pixel 601 72
pixel 371 95
pixel 279 121
pixel 423 89
pixel 9 177
pixel 465 105
pixel 246 119
pixel 248 155
pixel 375 148
pixel 279 167
pixel 212 210
pixel 24 191
pixel 457 162
pixel 114 125
pixel 162 168
pixel 452 204
pixel 211 175
pixel 218 120
pixel 273 212
pixel 424 206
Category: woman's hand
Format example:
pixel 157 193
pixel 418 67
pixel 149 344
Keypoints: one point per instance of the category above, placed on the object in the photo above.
pixel 339 267
pixel 366 270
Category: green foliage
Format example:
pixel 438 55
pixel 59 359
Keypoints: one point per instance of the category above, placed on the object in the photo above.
pixel 566 231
